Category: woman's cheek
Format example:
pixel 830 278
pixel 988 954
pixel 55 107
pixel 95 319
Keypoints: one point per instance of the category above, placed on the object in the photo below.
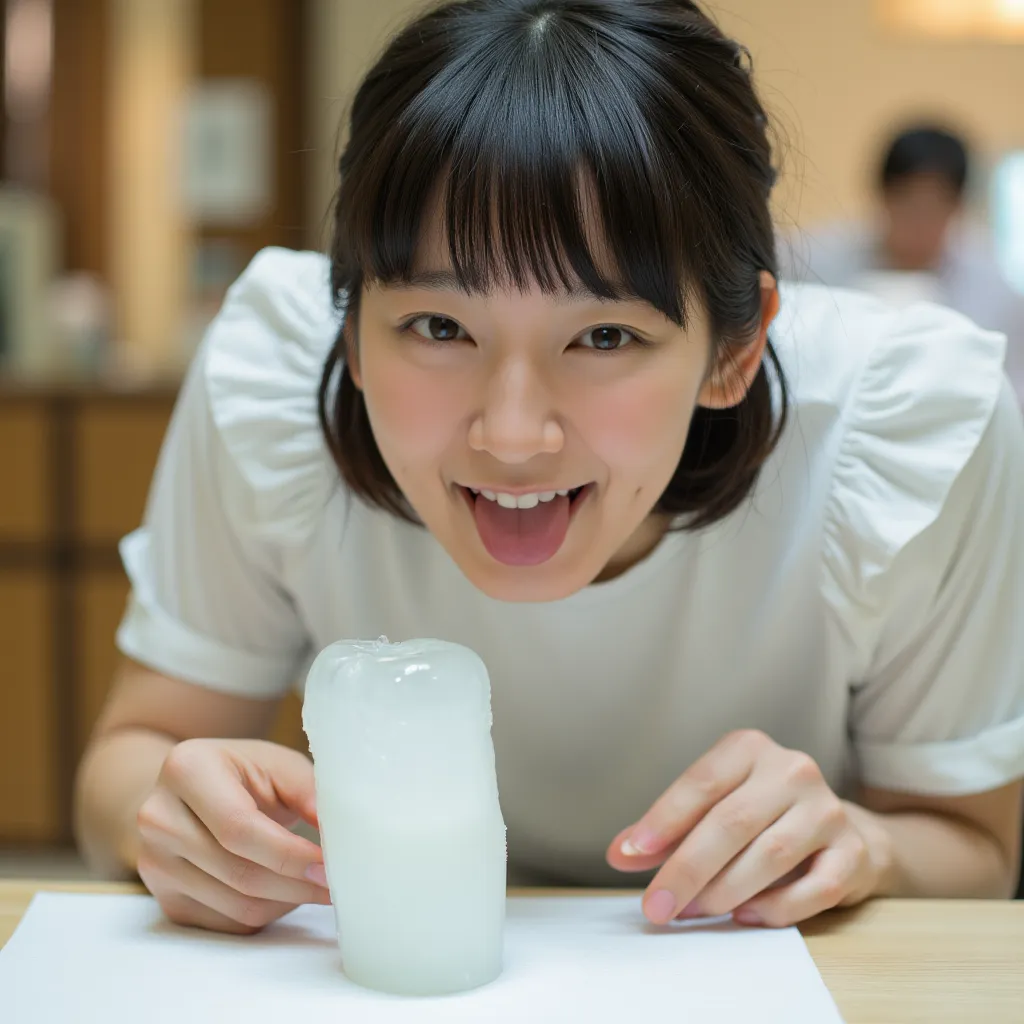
pixel 413 412
pixel 637 427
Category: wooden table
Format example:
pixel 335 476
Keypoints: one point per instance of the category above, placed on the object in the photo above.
pixel 887 962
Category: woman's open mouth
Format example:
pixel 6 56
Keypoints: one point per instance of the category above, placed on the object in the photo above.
pixel 527 528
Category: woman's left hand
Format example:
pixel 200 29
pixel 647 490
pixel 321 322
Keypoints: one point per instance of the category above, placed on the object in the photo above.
pixel 750 829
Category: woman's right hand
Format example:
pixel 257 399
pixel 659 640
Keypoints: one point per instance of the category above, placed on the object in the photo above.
pixel 216 850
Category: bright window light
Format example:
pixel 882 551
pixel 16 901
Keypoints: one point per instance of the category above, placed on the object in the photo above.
pixel 1008 216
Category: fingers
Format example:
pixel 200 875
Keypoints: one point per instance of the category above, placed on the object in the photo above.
pixel 703 785
pixel 256 881
pixel 724 816
pixel 250 911
pixel 215 851
pixel 230 813
pixel 726 831
pixel 189 914
pixel 773 855
pixel 825 886
pixel 169 828
pixel 188 895
pixel 247 877
pixel 631 862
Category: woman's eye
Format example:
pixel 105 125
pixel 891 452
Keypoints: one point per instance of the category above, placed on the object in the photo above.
pixel 438 328
pixel 606 339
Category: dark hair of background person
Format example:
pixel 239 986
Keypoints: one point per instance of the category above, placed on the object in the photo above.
pixel 926 149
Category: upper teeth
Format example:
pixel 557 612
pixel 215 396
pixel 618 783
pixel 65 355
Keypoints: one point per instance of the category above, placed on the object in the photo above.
pixel 520 500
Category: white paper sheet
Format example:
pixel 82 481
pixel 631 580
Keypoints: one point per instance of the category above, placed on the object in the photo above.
pixel 115 960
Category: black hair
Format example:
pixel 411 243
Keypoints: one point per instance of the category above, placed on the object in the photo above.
pixel 925 149
pixel 517 114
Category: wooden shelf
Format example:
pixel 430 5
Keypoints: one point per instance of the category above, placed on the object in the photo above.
pixel 76 462
pixel 25 512
pixel 29 801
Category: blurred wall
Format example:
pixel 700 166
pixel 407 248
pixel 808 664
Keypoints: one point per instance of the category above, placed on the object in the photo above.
pixel 150 48
pixel 838 83
pixel 345 36
pixel 835 80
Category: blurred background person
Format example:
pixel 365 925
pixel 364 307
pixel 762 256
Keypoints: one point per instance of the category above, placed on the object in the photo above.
pixel 921 244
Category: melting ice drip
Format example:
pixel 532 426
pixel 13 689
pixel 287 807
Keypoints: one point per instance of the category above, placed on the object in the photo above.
pixel 407 797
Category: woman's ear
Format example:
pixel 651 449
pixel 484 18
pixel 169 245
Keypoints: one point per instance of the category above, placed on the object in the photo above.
pixel 729 381
pixel 351 353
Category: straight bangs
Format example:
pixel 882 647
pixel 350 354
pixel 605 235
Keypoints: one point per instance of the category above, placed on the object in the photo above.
pixel 544 160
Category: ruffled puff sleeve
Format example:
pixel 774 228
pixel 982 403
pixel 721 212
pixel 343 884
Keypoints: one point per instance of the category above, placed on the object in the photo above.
pixel 923 559
pixel 242 478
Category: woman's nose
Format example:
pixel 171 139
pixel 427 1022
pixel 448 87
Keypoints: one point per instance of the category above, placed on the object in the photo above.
pixel 517 420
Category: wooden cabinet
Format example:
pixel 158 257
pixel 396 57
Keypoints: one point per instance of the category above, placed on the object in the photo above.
pixel 75 466
pixel 25 501
pixel 111 445
pixel 29 741
pixel 29 606
pixel 75 470
pixel 116 444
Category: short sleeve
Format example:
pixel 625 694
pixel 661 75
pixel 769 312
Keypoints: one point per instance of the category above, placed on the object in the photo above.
pixel 925 556
pixel 241 475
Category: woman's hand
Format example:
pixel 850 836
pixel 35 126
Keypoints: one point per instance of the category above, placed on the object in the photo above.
pixel 750 829
pixel 215 847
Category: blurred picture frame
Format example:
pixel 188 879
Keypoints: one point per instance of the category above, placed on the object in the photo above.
pixel 228 178
pixel 28 263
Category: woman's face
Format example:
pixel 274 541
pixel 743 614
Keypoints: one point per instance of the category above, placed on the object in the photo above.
pixel 533 434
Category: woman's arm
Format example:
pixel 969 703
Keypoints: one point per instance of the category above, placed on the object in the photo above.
pixel 146 716
pixel 979 837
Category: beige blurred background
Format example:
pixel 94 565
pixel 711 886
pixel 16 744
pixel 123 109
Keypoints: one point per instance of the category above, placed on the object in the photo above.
pixel 151 147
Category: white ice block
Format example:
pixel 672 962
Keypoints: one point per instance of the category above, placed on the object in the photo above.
pixel 407 797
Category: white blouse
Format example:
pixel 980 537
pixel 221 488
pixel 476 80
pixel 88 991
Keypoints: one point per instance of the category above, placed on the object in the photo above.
pixel 865 605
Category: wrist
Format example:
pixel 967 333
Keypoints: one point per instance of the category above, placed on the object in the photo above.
pixel 881 867
pixel 108 797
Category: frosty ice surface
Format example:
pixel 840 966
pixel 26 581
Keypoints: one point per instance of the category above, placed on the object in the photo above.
pixel 407 797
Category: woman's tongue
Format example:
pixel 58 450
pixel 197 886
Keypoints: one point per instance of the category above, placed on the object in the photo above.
pixel 522 536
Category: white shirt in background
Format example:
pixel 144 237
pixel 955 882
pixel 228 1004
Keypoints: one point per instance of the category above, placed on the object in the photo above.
pixel 970 280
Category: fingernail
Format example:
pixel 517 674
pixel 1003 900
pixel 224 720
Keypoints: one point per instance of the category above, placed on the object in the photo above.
pixel 661 906
pixel 690 910
pixel 639 843
pixel 751 917
pixel 316 874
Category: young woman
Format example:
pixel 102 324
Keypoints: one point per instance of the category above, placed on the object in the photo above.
pixel 744 561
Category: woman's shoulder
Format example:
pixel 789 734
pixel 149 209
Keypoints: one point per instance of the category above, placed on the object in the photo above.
pixel 261 361
pixel 923 376
pixel 848 349
pixel 899 401
pixel 278 315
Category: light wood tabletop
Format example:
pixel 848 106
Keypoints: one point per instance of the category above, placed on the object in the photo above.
pixel 887 962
